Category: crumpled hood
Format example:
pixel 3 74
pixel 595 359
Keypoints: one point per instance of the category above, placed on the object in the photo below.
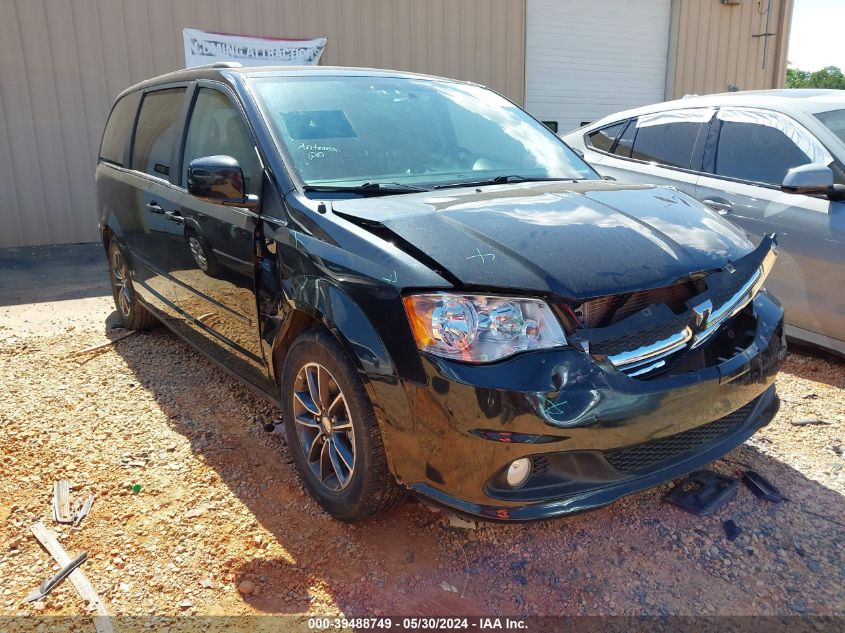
pixel 575 240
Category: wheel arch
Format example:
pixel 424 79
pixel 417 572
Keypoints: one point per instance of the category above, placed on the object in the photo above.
pixel 353 331
pixel 105 236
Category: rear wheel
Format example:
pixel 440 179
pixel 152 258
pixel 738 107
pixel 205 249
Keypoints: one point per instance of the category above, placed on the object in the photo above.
pixel 130 312
pixel 332 432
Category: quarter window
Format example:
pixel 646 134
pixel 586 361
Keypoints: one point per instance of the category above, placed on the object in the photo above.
pixel 155 134
pixel 116 134
pixel 626 140
pixel 755 152
pixel 668 143
pixel 603 139
pixel 216 127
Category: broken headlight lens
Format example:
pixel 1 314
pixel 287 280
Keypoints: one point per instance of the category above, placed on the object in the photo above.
pixel 481 329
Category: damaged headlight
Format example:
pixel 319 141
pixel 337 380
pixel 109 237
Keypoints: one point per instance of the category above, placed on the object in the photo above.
pixel 481 329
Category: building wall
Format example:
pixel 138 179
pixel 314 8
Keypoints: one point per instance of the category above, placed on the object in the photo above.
pixel 62 62
pixel 711 47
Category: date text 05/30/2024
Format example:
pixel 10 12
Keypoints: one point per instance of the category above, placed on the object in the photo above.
pixel 418 624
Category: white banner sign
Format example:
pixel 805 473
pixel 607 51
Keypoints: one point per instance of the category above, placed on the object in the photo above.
pixel 206 48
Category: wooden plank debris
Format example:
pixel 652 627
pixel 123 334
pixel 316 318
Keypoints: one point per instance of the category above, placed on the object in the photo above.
pixel 102 622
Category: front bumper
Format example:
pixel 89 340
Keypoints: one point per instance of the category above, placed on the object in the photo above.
pixel 596 433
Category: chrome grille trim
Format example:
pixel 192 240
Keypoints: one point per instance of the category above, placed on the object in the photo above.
pixel 739 300
pixel 665 347
pixel 647 358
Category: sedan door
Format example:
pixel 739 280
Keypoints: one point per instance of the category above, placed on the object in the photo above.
pixel 749 152
pixel 215 275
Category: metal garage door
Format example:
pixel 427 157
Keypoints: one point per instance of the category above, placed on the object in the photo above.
pixel 587 59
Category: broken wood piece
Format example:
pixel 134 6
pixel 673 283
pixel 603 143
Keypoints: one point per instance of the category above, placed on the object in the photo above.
pixel 83 587
pixel 102 346
pixel 61 502
pixel 459 522
pixel 82 511
pixel 51 583
pixel 809 422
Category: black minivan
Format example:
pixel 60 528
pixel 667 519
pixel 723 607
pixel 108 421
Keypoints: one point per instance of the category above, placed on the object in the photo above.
pixel 436 291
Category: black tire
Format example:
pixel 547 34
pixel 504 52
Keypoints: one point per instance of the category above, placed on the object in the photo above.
pixel 371 487
pixel 130 312
pixel 201 253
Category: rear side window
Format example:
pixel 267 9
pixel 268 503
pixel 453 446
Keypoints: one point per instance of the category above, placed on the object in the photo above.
pixel 155 134
pixel 669 144
pixel 758 153
pixel 116 134
pixel 603 139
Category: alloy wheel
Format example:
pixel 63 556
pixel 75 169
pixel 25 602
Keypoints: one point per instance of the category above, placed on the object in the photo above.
pixel 198 253
pixel 324 426
pixel 122 284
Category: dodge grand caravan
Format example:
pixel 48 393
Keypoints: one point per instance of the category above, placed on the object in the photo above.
pixel 438 294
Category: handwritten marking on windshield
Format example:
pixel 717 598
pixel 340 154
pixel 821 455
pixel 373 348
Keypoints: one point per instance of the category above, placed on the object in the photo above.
pixel 483 256
pixel 316 151
pixel 392 279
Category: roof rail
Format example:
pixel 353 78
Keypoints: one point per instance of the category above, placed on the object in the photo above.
pixel 218 65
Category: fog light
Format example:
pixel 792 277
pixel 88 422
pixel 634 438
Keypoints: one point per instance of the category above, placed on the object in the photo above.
pixel 518 472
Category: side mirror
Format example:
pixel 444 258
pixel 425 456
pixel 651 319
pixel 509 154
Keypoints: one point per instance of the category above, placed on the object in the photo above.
pixel 813 179
pixel 219 179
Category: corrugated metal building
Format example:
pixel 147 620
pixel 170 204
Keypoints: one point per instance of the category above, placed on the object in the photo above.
pixel 62 62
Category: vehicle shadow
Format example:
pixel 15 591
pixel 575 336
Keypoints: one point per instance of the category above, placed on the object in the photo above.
pixel 809 363
pixel 36 274
pixel 638 556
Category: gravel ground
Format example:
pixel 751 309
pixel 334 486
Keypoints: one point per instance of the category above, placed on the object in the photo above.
pixel 222 526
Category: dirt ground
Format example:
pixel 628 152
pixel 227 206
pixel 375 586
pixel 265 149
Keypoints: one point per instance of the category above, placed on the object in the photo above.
pixel 220 506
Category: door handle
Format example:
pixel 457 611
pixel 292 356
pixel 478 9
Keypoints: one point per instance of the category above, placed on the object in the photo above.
pixel 153 207
pixel 175 216
pixel 719 205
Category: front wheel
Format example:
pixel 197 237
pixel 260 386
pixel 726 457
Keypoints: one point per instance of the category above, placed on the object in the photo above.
pixel 332 431
pixel 202 254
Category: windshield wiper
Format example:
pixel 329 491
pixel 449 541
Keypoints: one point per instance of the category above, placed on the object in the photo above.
pixel 368 188
pixel 499 180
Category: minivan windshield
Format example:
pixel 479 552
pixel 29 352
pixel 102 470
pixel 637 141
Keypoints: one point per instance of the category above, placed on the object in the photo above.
pixel 397 135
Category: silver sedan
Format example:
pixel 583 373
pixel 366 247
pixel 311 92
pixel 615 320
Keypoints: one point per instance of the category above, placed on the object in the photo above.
pixel 771 161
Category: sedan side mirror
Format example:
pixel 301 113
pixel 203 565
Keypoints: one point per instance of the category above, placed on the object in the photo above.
pixel 219 179
pixel 813 179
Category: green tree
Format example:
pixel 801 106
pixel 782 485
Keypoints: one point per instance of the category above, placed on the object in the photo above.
pixel 829 77
pixel 796 78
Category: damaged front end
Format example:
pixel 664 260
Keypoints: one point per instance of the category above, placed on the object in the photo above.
pixel 653 333
pixel 649 386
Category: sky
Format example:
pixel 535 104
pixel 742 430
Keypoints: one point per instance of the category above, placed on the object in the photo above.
pixel 817 38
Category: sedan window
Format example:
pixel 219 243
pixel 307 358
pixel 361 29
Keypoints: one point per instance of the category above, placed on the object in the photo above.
pixel 834 121
pixel 756 152
pixel 762 145
pixel 603 139
pixel 669 138
pixel 626 141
